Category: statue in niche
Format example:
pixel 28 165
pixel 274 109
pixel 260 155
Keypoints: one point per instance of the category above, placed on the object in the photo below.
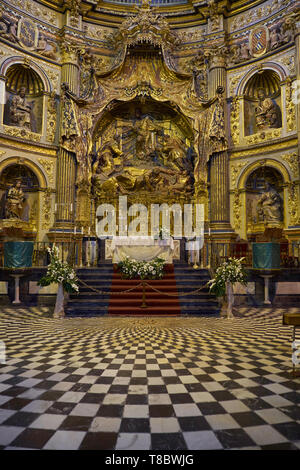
pixel 267 113
pixel 269 206
pixel 46 48
pixel 21 114
pixel 15 201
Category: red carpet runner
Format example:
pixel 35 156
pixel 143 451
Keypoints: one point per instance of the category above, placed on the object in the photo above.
pixel 157 304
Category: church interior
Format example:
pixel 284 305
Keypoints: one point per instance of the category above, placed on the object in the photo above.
pixel 149 225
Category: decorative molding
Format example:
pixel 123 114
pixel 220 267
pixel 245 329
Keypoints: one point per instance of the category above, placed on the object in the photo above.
pixel 48 166
pixel 269 147
pixel 293 203
pixel 22 133
pixel 51 117
pixel 38 11
pixel 235 121
pixel 46 208
pixel 263 136
pixel 290 107
pixel 237 209
pixel 235 171
pixel 293 162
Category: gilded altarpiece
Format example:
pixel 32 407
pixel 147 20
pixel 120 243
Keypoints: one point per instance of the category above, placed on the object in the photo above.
pixel 140 129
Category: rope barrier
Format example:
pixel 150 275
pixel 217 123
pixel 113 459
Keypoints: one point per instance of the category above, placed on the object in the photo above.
pixel 143 284
pixel 108 292
pixel 178 293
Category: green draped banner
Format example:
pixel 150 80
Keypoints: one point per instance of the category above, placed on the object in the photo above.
pixel 18 254
pixel 266 255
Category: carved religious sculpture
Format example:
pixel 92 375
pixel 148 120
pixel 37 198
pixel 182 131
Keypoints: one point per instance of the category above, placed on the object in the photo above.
pixel 153 161
pixel 267 113
pixel 46 48
pixel 269 206
pixel 14 202
pixel 8 29
pixel 21 111
pixel 275 39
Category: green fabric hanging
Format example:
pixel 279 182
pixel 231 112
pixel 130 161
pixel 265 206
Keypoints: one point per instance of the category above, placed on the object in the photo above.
pixel 18 254
pixel 266 255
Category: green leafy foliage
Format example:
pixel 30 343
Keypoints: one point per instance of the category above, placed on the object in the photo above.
pixel 132 269
pixel 231 271
pixel 59 273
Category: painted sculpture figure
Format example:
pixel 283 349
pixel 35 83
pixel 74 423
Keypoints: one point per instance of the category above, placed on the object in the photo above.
pixel 14 202
pixel 21 110
pixel 269 205
pixel 266 113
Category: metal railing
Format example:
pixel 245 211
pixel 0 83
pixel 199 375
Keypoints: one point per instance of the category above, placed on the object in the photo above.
pixel 215 253
pixel 84 253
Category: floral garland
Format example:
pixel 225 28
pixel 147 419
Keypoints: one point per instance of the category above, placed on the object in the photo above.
pixel 132 269
pixel 230 271
pixel 59 273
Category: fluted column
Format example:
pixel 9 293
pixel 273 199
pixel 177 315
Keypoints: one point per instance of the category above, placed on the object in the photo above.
pixel 66 166
pixel 65 187
pixel 219 161
pixel 69 75
pixel 219 194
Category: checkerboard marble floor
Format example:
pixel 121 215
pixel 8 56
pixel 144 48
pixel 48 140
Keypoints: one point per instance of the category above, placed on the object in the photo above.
pixel 147 383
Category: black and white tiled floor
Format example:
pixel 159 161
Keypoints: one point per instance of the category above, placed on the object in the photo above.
pixel 148 383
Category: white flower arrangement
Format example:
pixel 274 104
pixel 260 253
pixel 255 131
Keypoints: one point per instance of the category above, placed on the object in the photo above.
pixel 230 271
pixel 132 269
pixel 59 273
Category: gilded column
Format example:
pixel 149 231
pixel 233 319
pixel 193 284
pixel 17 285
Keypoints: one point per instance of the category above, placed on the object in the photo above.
pixel 66 166
pixel 219 161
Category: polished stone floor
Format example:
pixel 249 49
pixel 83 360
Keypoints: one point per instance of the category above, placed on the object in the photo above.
pixel 148 383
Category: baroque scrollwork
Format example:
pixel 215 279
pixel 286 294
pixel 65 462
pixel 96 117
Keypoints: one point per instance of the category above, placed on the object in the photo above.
pixel 235 120
pixel 294 203
pixel 22 133
pixel 290 107
pixel 51 117
pixel 48 165
pixel 46 208
pixel 237 209
pixel 293 162
pixel 235 171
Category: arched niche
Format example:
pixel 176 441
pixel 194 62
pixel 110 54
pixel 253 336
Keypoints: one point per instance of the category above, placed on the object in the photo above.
pixel 262 102
pixel 264 199
pixel 24 98
pixel 16 173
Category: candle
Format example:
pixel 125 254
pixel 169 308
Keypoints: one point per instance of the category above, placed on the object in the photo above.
pixel 81 230
pixel 74 230
pixel 55 207
pixel 89 230
pixel 71 207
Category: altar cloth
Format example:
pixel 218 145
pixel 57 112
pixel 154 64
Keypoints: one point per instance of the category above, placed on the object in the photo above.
pixel 142 248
